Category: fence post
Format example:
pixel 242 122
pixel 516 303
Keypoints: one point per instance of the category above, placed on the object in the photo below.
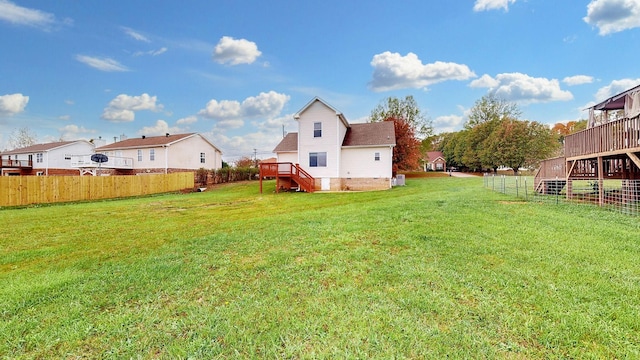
pixel 556 190
pixel 517 192
pixel 526 191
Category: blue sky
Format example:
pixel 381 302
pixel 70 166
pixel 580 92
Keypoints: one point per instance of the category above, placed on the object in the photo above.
pixel 237 71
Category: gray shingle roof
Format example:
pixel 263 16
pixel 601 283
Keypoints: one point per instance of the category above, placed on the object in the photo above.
pixel 148 141
pixel 289 143
pixel 38 148
pixel 370 134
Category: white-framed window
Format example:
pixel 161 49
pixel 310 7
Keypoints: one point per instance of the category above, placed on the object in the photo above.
pixel 139 155
pixel 376 156
pixel 202 158
pixel 152 154
pixel 317 129
pixel 39 158
pixel 40 173
pixel 318 159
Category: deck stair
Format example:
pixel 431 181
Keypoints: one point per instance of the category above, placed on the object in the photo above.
pixel 288 176
pixel 551 186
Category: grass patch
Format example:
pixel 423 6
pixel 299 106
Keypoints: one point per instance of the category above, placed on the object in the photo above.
pixel 440 267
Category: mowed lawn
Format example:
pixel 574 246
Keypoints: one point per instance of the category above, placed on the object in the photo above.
pixel 441 267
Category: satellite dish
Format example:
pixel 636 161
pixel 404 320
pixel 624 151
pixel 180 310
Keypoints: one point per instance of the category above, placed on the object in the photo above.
pixel 99 158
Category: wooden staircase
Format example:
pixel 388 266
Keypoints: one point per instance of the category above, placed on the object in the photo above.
pixel 550 187
pixel 288 176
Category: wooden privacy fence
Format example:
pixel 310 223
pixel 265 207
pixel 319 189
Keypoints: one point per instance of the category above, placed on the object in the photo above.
pixel 25 190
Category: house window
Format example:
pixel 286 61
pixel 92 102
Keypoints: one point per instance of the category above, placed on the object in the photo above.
pixel 318 159
pixel 39 157
pixel 152 154
pixel 317 129
pixel 139 155
pixel 202 158
pixel 40 173
pixel 376 156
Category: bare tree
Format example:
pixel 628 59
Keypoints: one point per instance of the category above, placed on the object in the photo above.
pixel 22 137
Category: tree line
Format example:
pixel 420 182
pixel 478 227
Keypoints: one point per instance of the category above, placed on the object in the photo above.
pixel 493 136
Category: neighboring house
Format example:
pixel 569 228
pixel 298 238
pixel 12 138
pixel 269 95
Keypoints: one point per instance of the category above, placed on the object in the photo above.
pixel 44 159
pixel 339 155
pixel 164 154
pixel 435 161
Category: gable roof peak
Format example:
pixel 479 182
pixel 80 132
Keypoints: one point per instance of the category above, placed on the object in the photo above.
pixel 339 114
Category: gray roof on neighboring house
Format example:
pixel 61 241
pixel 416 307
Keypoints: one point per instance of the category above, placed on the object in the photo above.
pixel 288 143
pixel 150 141
pixel 37 148
pixel 371 134
pixel 145 141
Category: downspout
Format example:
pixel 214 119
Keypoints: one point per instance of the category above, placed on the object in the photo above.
pixel 338 147
pixel 46 168
pixel 166 159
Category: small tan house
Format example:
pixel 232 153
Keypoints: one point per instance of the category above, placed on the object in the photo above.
pixel 165 154
pixel 435 161
pixel 44 159
pixel 338 155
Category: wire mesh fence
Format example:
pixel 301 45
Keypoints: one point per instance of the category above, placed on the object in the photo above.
pixel 618 195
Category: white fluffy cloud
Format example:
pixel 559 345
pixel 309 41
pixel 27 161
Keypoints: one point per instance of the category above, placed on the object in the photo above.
pixel 611 16
pixel 484 5
pixel 187 120
pixel 122 108
pixel 616 87
pixel 160 128
pixel 392 71
pixel 235 51
pixel 265 105
pixel 12 104
pixel 523 88
pixel 72 131
pixel 447 123
pixel 19 15
pixel 102 64
pixel 578 80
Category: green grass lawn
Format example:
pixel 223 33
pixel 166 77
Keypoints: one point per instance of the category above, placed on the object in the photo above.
pixel 440 267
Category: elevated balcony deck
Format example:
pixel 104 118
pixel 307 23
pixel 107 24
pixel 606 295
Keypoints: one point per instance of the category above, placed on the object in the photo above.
pixel 16 164
pixel 610 139
pixel 114 162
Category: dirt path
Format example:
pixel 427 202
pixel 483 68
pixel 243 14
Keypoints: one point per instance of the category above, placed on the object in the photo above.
pixel 461 174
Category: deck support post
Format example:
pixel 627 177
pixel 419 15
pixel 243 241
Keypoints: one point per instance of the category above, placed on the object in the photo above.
pixel 600 181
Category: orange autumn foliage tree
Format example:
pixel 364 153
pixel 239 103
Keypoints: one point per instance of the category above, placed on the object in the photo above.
pixel 406 153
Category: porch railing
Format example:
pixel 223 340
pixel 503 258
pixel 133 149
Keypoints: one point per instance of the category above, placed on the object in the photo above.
pixel 287 169
pixel 13 163
pixel 613 137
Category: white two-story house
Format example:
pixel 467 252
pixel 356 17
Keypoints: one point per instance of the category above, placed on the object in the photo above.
pixel 337 154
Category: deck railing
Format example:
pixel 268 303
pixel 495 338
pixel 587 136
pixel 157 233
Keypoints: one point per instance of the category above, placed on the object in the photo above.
pixel 114 162
pixel 550 169
pixel 13 163
pixel 287 169
pixel 613 137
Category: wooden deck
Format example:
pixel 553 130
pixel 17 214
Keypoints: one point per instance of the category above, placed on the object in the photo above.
pixel 606 151
pixel 12 163
pixel 288 176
